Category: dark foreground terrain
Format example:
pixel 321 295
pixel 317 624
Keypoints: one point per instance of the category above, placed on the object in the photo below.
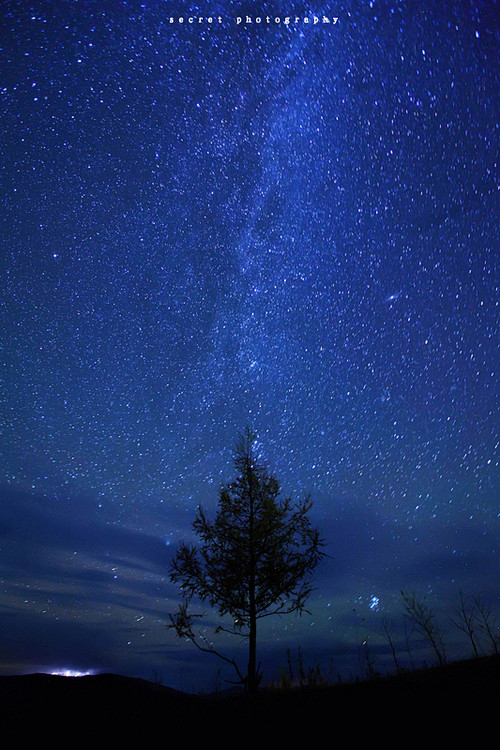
pixel 438 706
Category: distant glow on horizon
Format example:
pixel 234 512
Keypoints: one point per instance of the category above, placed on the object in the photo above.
pixel 70 673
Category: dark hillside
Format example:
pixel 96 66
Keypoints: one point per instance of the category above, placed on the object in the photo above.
pixel 452 702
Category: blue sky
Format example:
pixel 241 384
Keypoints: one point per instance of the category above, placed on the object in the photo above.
pixel 209 226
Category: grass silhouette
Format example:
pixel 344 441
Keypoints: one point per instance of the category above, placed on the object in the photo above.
pixel 439 702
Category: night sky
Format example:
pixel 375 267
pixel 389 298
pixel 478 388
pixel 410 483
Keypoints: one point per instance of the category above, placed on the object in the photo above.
pixel 287 226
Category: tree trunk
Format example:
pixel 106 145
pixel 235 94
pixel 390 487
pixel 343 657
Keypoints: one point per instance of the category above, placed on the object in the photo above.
pixel 252 657
pixel 252 646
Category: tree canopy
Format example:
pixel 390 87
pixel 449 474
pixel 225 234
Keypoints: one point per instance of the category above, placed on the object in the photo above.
pixel 254 560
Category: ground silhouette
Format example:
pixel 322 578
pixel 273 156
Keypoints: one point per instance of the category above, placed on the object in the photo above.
pixel 443 703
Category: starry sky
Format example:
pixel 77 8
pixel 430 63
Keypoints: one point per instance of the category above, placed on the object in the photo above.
pixel 290 226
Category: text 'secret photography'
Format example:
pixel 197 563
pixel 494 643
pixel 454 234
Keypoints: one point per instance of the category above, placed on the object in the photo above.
pixel 256 19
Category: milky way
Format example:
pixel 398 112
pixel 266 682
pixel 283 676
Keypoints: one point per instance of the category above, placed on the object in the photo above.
pixel 214 225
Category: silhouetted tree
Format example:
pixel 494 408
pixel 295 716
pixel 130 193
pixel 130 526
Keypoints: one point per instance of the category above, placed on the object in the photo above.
pixel 423 619
pixel 487 623
pixel 464 618
pixel 385 626
pixel 366 660
pixel 255 559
